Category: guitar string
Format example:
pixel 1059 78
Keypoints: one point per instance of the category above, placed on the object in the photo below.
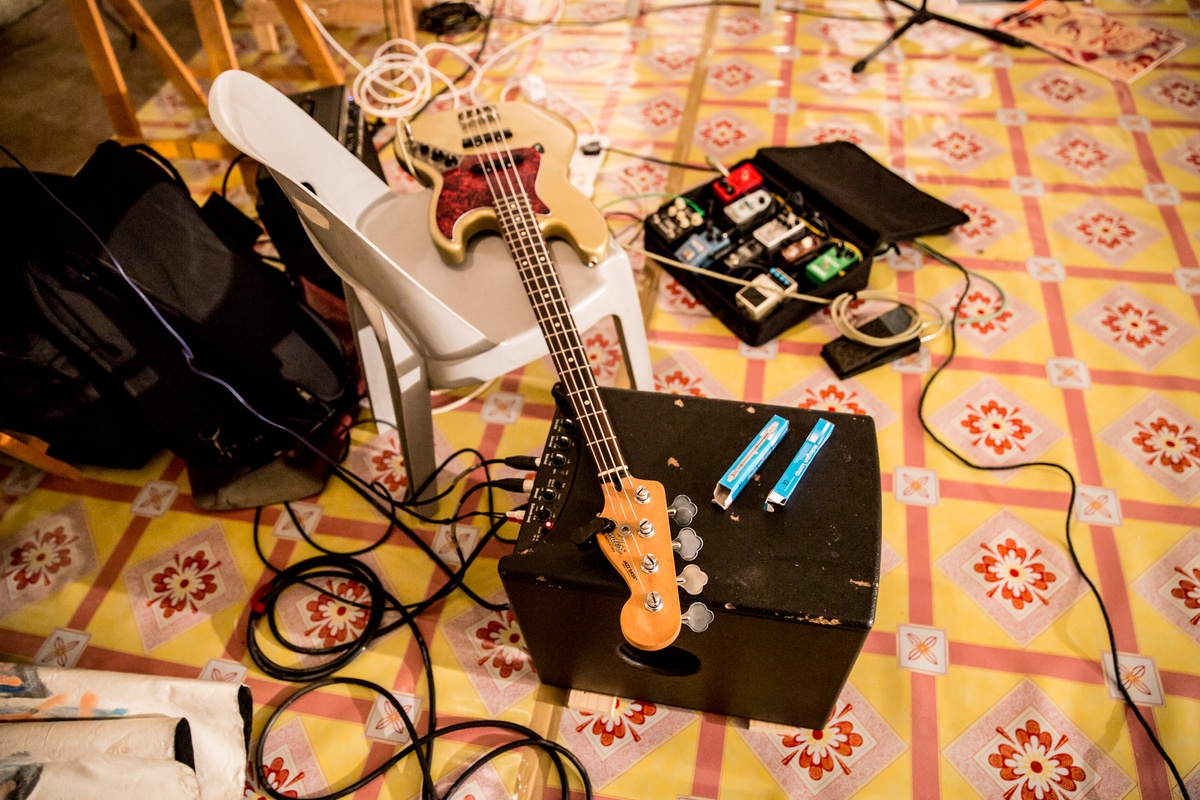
pixel 521 200
pixel 591 420
pixel 604 444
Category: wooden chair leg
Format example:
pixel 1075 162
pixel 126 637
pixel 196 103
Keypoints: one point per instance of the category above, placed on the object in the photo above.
pixel 214 35
pixel 32 451
pixel 135 16
pixel 266 38
pixel 308 39
pixel 107 72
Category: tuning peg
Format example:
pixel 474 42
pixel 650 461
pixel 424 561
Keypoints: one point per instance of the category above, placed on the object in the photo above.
pixel 692 579
pixel 682 510
pixel 698 617
pixel 687 544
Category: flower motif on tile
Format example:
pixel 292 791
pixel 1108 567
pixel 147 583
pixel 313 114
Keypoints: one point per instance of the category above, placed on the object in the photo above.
pixel 1135 327
pixel 494 656
pixel 819 750
pixel 1025 747
pixel 1082 154
pixel 36 560
pixel 178 588
pixel 1015 575
pixel 503 645
pixel 957 146
pixel 610 743
pixel 946 83
pixel 596 11
pixel 307 514
pixel 724 134
pixel 1014 571
pixel 1161 440
pixel 154 499
pixel 388 465
pixel 822 391
pixel 1095 505
pixel 987 225
pixel 835 78
pixel 675 60
pixel 923 649
pixel 1068 373
pixel 838 129
pixel 290 767
pixel 183 584
pixel 743 27
pixel 1106 231
pixel 915 486
pixel 689 16
pixel 1187 155
pixel 603 351
pixel 734 76
pixel 379 461
pixel 21 480
pixel 1030 761
pixel 585 55
pixel 680 373
pixel 338 613
pixel 937 38
pixel 1172 586
pixel 385 723
pixel 43 556
pixel 1188 280
pixel 1064 90
pixel 994 427
pixel 985 319
pixel 1139 676
pixel 831 762
pixel 658 114
pixel 681 303
pixel 1177 92
pixel 62 648
pixel 223 671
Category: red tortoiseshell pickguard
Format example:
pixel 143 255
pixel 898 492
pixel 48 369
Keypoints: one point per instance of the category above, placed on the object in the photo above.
pixel 464 189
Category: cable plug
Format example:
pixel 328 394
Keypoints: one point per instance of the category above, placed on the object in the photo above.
pixel 514 484
pixel 516 515
pixel 523 462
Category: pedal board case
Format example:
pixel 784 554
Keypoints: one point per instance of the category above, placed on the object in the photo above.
pixel 859 200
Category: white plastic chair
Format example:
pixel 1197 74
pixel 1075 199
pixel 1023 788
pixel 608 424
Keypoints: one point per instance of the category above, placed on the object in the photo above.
pixel 420 324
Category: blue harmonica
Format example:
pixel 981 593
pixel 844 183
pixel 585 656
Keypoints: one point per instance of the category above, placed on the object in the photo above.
pixel 795 471
pixel 738 475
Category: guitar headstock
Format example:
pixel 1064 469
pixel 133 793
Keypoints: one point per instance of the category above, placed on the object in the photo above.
pixel 639 547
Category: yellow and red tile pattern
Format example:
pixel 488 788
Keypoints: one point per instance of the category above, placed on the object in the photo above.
pixel 984 675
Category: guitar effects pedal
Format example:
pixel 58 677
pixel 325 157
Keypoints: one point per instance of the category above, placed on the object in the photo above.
pixel 741 180
pixel 788 593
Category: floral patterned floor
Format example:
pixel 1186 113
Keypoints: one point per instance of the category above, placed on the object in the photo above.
pixel 984 673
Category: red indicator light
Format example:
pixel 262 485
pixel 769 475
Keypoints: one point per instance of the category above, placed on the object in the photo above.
pixel 548 524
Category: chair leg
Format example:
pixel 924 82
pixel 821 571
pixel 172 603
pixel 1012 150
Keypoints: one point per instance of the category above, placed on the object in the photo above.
pixel 370 359
pixel 398 386
pixel 631 334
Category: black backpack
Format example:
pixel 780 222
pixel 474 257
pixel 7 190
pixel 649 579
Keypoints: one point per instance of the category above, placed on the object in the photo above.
pixel 197 272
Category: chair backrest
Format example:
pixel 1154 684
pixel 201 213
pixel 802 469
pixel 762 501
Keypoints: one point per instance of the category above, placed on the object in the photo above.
pixel 330 190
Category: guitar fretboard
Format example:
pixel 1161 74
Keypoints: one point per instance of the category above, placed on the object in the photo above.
pixel 524 239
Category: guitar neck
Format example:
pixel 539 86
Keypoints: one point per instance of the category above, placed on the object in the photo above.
pixel 523 236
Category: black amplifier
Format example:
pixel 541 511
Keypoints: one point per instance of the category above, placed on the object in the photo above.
pixel 792 592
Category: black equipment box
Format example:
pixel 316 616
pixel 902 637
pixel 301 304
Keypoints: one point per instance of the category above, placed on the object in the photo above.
pixel 837 186
pixel 793 591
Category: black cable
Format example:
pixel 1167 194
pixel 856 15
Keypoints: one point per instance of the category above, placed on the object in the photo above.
pixel 531 739
pixel 1112 639
pixel 229 171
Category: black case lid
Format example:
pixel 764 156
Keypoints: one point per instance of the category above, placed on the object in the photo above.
pixel 859 194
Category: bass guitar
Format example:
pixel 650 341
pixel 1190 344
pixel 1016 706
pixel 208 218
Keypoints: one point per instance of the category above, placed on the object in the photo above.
pixel 507 172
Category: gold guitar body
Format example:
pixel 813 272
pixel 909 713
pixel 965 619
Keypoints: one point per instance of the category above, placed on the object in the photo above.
pixel 452 166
